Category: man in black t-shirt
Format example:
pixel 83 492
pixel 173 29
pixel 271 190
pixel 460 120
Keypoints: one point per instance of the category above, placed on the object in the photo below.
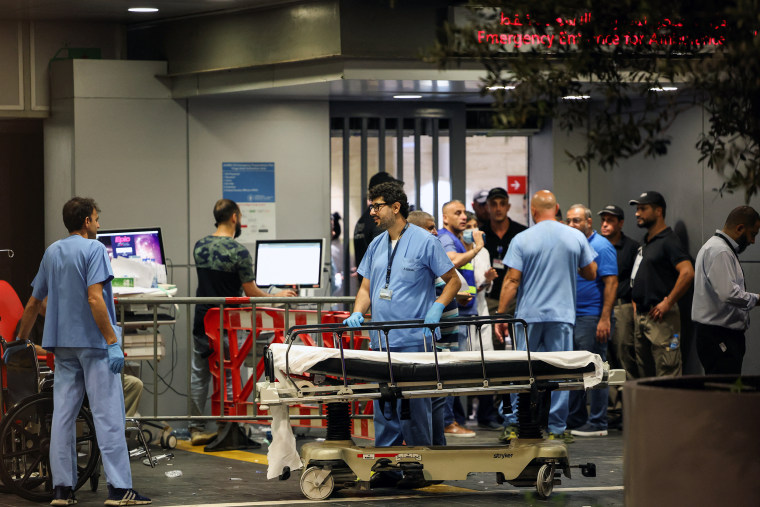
pixel 662 273
pixel 499 232
pixel 621 351
pixel 224 269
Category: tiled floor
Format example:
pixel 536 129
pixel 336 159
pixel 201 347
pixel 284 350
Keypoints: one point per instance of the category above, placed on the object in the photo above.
pixel 237 479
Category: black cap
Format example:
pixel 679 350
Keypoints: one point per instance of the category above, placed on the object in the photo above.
pixel 480 197
pixel 650 197
pixel 497 192
pixel 611 209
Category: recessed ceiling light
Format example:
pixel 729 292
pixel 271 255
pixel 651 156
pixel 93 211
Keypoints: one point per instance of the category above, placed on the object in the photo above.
pixel 501 87
pixel 663 89
pixel 142 9
pixel 407 96
pixel 576 97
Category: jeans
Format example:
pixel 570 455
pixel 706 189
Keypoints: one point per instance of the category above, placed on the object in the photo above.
pixel 584 338
pixel 546 337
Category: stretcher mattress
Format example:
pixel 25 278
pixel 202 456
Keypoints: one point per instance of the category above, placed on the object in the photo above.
pixel 372 366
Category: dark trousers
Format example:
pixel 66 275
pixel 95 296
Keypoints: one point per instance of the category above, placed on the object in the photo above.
pixel 720 349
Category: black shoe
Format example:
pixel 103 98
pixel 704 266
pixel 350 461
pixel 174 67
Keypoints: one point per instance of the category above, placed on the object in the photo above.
pixel 413 481
pixel 491 425
pixel 63 496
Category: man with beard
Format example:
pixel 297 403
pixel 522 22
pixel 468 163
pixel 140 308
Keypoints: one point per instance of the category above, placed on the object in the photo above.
pixel 399 270
pixel 721 304
pixel 662 273
pixel 224 268
pixel 80 329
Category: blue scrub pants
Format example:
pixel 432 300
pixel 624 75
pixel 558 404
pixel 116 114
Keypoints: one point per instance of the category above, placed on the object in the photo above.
pixel 546 337
pixel 78 370
pixel 584 338
pixel 391 430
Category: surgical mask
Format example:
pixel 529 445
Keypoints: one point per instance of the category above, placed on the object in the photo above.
pixel 467 236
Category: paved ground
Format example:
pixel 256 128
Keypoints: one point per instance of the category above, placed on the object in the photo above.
pixel 238 478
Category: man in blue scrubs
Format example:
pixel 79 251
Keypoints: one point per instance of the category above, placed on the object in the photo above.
pixel 399 270
pixel 80 329
pixel 543 261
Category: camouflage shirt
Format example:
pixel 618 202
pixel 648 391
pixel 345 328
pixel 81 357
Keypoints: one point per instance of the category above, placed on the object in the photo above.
pixel 223 266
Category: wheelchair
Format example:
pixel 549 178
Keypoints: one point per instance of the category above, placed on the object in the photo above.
pixel 26 400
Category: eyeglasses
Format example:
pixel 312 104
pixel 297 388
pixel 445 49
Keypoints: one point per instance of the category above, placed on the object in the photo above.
pixel 376 206
pixel 575 220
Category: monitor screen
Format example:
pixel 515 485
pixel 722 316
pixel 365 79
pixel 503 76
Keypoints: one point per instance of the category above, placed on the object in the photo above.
pixel 139 243
pixel 288 262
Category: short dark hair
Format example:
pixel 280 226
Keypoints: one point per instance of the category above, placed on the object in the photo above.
pixel 75 212
pixel 391 192
pixel 224 209
pixel 382 177
pixel 742 215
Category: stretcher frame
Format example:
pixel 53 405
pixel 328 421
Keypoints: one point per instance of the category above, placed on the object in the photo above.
pixel 528 460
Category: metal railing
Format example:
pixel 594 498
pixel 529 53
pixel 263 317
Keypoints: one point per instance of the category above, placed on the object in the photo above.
pixel 289 305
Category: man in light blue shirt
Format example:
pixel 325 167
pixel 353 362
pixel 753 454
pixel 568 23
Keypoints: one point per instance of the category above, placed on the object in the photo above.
pixel 543 262
pixel 593 324
pixel 80 329
pixel 399 270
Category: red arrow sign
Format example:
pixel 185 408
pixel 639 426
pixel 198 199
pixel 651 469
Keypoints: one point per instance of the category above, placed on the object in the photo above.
pixel 517 184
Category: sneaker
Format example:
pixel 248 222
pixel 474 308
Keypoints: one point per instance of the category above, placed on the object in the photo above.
pixel 490 425
pixel 589 430
pixel 197 437
pixel 508 433
pixel 119 496
pixel 455 430
pixel 63 496
pixel 565 436
pixel 384 479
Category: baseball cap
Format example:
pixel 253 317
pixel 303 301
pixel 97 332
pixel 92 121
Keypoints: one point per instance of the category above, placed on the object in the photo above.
pixel 650 197
pixel 497 192
pixel 611 209
pixel 480 197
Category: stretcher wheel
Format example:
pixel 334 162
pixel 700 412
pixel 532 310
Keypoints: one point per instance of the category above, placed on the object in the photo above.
pixel 25 447
pixel 545 481
pixel 169 442
pixel 317 483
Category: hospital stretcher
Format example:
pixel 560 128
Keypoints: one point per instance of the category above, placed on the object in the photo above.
pixel 336 377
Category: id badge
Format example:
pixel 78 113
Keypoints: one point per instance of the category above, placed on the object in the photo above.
pixel 386 294
pixel 498 264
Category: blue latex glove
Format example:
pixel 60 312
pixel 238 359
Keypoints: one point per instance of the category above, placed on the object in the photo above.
pixel 115 358
pixel 355 320
pixel 433 316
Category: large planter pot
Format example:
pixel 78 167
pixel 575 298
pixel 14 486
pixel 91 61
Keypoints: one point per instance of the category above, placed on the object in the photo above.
pixel 691 441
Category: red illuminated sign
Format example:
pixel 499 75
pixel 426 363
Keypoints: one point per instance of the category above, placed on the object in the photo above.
pixel 517 184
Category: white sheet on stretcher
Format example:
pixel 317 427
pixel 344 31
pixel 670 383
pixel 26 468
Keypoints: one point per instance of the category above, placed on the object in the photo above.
pixel 302 357
pixel 283 450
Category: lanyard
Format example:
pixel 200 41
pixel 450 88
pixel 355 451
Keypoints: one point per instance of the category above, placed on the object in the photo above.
pixel 392 255
pixel 736 255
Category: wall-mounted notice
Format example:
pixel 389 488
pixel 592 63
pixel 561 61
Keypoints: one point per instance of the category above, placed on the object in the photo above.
pixel 251 185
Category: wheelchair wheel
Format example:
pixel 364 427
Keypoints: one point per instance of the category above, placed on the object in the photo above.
pixel 25 448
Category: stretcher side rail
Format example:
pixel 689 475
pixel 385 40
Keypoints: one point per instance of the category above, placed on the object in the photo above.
pixel 386 327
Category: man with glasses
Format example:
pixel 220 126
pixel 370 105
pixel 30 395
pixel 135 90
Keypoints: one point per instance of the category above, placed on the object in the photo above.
pixel 593 323
pixel 399 270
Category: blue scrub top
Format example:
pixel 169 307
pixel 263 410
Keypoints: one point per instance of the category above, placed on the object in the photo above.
pixel 548 255
pixel 69 266
pixel 419 260
pixel 591 292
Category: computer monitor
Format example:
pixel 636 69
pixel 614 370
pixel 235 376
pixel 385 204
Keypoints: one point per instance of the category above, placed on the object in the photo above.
pixel 288 262
pixel 143 243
